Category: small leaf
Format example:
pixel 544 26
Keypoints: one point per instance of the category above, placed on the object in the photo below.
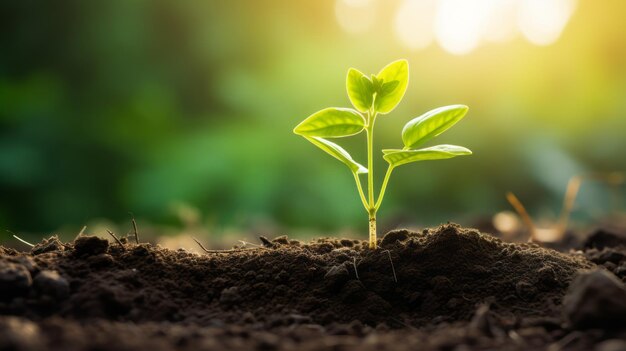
pixel 331 123
pixel 397 157
pixel 369 85
pixel 360 90
pixel 376 83
pixel 337 152
pixel 388 87
pixel 388 98
pixel 429 125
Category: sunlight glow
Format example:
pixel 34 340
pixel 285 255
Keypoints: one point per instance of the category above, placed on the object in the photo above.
pixel 414 23
pixel 506 222
pixel 542 21
pixel 501 23
pixel 460 26
pixel 355 16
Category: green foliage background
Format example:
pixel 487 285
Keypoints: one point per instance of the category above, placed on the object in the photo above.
pixel 115 106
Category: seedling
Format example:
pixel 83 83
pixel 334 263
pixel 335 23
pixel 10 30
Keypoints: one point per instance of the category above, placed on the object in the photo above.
pixel 371 97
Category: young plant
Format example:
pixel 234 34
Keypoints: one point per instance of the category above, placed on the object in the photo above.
pixel 371 97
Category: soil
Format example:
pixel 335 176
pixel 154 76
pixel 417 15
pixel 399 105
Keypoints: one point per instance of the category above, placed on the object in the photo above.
pixel 447 288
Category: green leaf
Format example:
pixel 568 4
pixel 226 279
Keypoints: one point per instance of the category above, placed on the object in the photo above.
pixel 337 152
pixel 360 90
pixel 331 123
pixel 389 97
pixel 427 126
pixel 397 157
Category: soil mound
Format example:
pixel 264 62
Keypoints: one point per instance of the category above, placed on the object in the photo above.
pixel 441 274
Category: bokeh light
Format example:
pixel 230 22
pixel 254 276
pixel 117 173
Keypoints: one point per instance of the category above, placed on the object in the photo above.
pixel 462 26
pixel 356 16
pixel 542 21
pixel 501 22
pixel 414 22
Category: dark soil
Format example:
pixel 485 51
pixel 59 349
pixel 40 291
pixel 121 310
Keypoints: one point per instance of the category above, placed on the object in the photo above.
pixel 447 288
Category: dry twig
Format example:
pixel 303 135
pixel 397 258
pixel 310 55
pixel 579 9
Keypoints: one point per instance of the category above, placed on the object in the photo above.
pixel 116 239
pixel 265 241
pixel 135 231
pixel 521 210
pixel 613 179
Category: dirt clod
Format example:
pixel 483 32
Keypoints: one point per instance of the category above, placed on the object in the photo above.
pixel 52 284
pixel 48 245
pixel 394 236
pixel 90 245
pixel 336 276
pixel 596 299
pixel 612 345
pixel 15 279
pixel 281 240
pixel 602 238
pixel 19 334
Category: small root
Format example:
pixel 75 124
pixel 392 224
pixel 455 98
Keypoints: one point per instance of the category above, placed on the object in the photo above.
pixel 565 341
pixel 226 251
pixel 516 338
pixel 20 239
pixel 244 243
pixel 82 231
pixel 356 272
pixel 393 269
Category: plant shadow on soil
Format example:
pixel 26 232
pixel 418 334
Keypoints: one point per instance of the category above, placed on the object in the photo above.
pixel 447 288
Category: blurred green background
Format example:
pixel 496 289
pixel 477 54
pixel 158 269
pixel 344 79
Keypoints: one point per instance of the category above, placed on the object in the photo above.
pixel 181 112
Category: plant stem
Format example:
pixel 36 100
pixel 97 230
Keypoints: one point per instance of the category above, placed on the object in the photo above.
pixel 383 188
pixel 358 185
pixel 371 207
pixel 372 220
pixel 370 159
